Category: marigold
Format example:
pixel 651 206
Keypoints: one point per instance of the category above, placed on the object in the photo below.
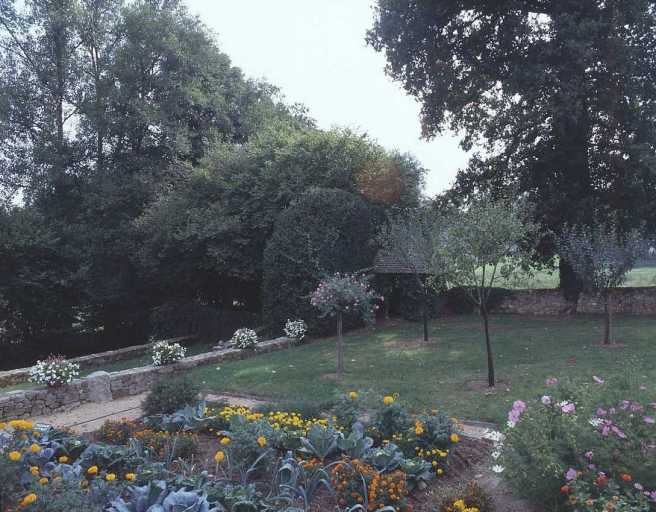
pixel 35 448
pixel 28 500
pixel 43 481
pixel 353 395
pixel 93 470
pixel 63 459
pixel 388 400
pixel 34 470
pixel 219 457
pixel 110 477
pixel 15 456
pixel 455 438
pixel 130 477
pixel 225 441
pixel 262 441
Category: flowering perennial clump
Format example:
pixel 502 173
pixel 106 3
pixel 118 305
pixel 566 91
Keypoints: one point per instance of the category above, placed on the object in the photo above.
pixel 295 329
pixel 244 338
pixel 165 352
pixel 54 371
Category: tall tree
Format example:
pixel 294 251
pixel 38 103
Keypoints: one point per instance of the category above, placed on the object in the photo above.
pixel 560 95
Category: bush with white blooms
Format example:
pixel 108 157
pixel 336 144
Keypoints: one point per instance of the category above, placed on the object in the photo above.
pixel 295 329
pixel 54 371
pixel 165 352
pixel 244 338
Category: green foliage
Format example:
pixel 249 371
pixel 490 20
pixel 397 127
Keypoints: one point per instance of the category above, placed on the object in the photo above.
pixel 535 85
pixel 390 420
pixel 321 442
pixel 324 231
pixel 170 395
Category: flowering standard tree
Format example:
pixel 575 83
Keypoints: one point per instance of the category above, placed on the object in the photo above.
pixel 344 294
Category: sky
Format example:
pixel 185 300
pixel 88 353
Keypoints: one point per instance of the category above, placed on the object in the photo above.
pixel 314 50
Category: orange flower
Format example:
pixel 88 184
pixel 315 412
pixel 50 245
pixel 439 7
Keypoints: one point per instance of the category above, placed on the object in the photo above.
pixel 565 489
pixel 93 470
pixel 130 477
pixel 626 477
pixel 28 500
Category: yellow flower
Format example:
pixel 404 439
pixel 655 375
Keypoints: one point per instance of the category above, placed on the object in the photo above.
pixel 225 441
pixel 34 470
pixel 460 505
pixel 110 477
pixel 63 459
pixel 130 477
pixel 353 395
pixel 455 438
pixel 15 456
pixel 3 425
pixel 219 457
pixel 28 500
pixel 388 400
pixel 43 481
pixel 440 471
pixel 419 428
pixel 93 470
pixel 262 441
pixel 35 448
pixel 21 424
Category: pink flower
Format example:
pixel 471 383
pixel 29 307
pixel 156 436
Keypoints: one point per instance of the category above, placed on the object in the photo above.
pixel 588 455
pixel 638 487
pixel 552 381
pixel 598 380
pixel 567 407
pixel 570 475
pixel 546 400
pixel 519 405
pixel 649 419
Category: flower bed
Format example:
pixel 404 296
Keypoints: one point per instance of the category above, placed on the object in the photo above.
pixel 205 459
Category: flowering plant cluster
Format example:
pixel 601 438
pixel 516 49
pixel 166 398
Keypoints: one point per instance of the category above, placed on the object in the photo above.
pixel 244 338
pixel 588 446
pixel 295 329
pixel 164 352
pixel 344 294
pixel 54 371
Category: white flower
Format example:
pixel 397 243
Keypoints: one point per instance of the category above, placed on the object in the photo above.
pixel 54 371
pixel 295 329
pixel 595 422
pixel 167 353
pixel 244 338
pixel 497 468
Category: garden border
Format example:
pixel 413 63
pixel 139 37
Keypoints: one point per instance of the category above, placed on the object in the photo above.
pixel 103 386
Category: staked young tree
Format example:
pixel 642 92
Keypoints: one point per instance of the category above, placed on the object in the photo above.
pixel 479 246
pixel 602 256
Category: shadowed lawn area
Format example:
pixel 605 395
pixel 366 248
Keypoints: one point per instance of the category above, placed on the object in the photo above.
pixel 448 373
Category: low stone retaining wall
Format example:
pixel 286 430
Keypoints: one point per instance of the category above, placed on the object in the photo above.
pixel 103 386
pixel 628 301
pixel 11 377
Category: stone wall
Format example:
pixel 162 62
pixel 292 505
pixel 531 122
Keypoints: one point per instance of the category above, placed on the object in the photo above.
pixel 628 301
pixel 102 386
pixel 11 377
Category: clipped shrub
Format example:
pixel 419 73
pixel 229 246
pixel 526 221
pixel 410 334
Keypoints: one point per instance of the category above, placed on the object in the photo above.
pixel 170 395
pixel 324 231
pixel 295 329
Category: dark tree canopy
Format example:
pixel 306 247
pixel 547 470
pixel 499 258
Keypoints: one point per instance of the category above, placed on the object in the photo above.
pixel 560 95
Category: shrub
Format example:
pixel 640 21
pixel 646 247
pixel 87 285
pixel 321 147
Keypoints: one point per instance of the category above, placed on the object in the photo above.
pixel 574 430
pixel 170 395
pixel 54 371
pixel 295 329
pixel 323 231
pixel 244 338
pixel 165 352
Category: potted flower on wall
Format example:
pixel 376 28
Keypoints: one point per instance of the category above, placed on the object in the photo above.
pixel 54 371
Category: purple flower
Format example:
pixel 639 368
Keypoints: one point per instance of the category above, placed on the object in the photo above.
pixel 546 400
pixel 567 407
pixel 588 455
pixel 519 405
pixel 601 412
pixel 649 419
pixel 638 487
pixel 598 380
pixel 570 474
pixel 552 381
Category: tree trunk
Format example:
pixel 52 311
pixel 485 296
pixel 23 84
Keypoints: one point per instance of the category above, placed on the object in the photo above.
pixel 424 313
pixel 608 318
pixel 340 348
pixel 488 347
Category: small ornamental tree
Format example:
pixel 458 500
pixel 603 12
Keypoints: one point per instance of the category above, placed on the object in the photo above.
pixel 344 294
pixel 477 247
pixel 408 238
pixel 601 258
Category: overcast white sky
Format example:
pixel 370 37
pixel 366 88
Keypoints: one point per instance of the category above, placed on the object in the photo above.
pixel 314 50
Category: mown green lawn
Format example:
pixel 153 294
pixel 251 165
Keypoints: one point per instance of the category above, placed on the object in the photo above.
pixel 448 372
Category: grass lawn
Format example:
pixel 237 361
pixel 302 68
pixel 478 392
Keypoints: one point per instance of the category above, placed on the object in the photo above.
pixel 445 374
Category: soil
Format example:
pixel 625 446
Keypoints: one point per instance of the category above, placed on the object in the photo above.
pixel 482 386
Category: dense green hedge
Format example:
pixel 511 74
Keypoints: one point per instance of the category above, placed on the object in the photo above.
pixel 324 231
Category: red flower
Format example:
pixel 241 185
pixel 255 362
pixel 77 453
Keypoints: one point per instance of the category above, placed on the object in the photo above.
pixel 626 477
pixel 601 480
pixel 565 489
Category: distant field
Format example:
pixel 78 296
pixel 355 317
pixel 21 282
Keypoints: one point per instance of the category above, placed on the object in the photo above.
pixel 641 276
